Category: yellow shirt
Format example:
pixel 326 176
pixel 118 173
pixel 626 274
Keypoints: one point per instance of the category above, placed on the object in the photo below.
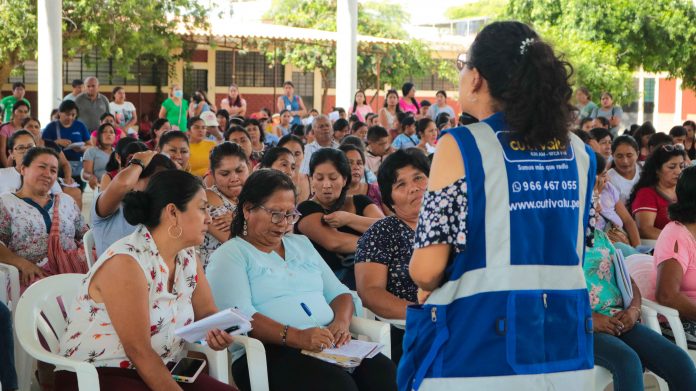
pixel 199 162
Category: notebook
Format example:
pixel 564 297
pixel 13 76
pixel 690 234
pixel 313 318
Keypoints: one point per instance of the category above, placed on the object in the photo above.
pixel 196 331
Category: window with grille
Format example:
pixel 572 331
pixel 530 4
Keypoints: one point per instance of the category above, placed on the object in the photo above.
pixel 246 69
pixel 304 87
pixel 29 76
pixel 432 83
pixel 195 79
pixel 151 71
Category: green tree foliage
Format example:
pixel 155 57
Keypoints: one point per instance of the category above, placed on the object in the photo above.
pixel 396 62
pixel 656 34
pixel 123 30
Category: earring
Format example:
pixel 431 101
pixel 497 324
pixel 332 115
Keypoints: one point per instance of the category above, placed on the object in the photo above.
pixel 177 236
pixel 244 229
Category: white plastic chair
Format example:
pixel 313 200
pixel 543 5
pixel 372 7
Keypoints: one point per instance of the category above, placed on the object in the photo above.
pixel 642 268
pixel 42 300
pixel 88 243
pixel 9 294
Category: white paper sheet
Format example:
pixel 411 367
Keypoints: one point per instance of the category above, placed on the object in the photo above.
pixel 196 331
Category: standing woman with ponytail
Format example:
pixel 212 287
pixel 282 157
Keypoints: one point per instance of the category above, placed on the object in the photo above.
pixel 501 233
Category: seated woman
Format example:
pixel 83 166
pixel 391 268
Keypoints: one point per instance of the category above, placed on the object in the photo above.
pixel 17 146
pixel 96 158
pixel 199 147
pixel 331 219
pixel 229 169
pixel 238 135
pixel 655 190
pixel 614 218
pixel 358 183
pixel 384 251
pixel 8 375
pixel 109 223
pixel 268 274
pixel 301 181
pixel 279 158
pixel 621 344
pixel 675 257
pixel 175 145
pixel 426 130
pixel 20 111
pixel 26 217
pixel 145 286
pixel 625 170
pixel 159 127
pixel 258 139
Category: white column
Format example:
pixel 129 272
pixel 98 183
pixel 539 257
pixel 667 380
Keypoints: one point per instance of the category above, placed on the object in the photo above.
pixel 641 96
pixel 678 103
pixel 50 61
pixel 346 52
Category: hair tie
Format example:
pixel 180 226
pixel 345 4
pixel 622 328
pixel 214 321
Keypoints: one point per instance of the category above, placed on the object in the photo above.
pixel 525 44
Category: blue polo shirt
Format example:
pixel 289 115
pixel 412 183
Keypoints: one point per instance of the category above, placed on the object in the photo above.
pixel 76 133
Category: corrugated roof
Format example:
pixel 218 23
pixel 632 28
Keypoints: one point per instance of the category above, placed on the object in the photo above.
pixel 273 31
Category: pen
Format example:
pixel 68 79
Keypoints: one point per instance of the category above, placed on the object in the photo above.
pixel 227 330
pixel 307 311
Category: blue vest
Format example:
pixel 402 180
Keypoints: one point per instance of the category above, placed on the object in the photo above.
pixel 513 312
pixel 293 105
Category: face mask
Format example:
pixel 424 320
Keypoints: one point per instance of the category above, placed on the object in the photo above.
pixel 178 94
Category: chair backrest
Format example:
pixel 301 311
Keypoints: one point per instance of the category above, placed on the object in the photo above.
pixel 642 268
pixel 41 308
pixel 88 242
pixel 9 285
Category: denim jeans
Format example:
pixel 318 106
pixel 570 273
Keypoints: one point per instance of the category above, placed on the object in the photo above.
pixel 8 376
pixel 626 355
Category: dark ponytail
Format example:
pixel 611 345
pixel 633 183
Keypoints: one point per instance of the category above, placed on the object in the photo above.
pixel 527 79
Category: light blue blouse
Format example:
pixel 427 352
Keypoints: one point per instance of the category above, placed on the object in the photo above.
pixel 242 276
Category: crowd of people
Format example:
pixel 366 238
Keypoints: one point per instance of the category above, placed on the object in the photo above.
pixel 211 206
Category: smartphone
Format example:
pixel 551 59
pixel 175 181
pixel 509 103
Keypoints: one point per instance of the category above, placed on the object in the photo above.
pixel 188 369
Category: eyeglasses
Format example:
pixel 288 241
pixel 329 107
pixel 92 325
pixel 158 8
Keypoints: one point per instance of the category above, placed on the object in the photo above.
pixel 675 147
pixel 23 148
pixel 277 217
pixel 462 61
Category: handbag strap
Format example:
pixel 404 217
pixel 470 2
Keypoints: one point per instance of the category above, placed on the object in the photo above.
pixel 55 219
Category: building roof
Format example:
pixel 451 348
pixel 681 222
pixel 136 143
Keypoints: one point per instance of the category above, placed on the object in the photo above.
pixel 273 31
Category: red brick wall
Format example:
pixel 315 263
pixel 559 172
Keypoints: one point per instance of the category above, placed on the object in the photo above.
pixel 199 56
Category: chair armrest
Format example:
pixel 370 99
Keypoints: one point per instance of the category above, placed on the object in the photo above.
pixel 673 319
pixel 256 361
pixel 13 275
pixel 649 318
pixel 399 323
pixel 87 377
pixel 217 361
pixel 374 330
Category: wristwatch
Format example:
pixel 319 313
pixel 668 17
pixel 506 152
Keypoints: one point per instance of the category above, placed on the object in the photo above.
pixel 138 162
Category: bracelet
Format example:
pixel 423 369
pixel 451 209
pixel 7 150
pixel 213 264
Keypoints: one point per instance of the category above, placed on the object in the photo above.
pixel 636 308
pixel 284 335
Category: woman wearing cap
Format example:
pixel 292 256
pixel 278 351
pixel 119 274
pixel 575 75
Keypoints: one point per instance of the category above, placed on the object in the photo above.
pixel 511 307
pixel 291 102
pixel 234 103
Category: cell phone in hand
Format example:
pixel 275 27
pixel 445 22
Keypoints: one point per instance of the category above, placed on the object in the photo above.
pixel 187 369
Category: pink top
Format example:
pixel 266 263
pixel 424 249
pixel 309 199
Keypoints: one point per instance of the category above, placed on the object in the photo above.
pixel 7 129
pixel 676 242
pixel 119 133
pixel 361 111
pixel 407 106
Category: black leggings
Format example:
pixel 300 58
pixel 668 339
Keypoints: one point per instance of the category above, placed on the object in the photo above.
pixel 289 369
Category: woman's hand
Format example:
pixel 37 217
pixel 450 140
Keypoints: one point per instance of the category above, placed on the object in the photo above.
pixel 223 222
pixel 337 219
pixel 616 236
pixel 93 183
pixel 628 317
pixel 341 332
pixel 28 270
pixel 316 339
pixel 218 340
pixel 607 324
pixel 63 142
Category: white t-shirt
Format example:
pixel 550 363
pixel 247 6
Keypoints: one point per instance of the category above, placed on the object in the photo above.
pixel 622 184
pixel 11 180
pixel 122 112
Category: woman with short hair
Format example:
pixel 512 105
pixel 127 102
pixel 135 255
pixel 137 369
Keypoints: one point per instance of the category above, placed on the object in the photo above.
pixel 143 288
pixel 271 276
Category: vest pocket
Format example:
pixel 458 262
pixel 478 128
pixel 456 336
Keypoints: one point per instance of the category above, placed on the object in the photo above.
pixel 547 331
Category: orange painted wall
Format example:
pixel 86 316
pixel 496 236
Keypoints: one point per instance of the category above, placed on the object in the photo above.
pixel 668 89
pixel 688 103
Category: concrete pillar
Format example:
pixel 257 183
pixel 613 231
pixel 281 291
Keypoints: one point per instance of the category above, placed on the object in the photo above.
pixel 346 52
pixel 641 96
pixel 50 61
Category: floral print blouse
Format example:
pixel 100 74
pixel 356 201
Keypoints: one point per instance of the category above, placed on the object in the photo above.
pixel 442 217
pixel 23 228
pixel 600 276
pixel 89 334
pixel 210 243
